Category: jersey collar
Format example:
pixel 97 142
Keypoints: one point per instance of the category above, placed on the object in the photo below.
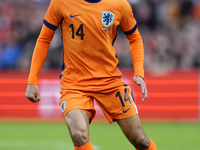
pixel 92 1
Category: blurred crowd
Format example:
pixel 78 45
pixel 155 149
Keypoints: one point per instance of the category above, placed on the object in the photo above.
pixel 170 30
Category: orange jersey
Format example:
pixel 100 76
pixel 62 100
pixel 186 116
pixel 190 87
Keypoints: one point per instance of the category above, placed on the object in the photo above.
pixel 89 29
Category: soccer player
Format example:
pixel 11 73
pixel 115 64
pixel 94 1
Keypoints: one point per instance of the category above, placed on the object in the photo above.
pixel 89 71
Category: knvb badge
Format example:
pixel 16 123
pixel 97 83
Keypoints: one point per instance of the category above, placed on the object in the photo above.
pixel 63 106
pixel 107 18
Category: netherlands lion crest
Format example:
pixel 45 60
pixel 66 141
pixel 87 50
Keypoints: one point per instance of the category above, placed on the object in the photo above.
pixel 107 18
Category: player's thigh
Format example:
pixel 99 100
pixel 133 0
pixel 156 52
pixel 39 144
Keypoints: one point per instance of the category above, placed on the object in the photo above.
pixel 132 128
pixel 77 120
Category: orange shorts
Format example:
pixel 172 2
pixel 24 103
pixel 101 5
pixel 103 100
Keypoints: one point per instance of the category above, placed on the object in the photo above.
pixel 115 103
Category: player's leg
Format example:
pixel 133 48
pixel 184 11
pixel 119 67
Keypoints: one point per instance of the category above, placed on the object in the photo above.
pixel 78 109
pixel 118 105
pixel 133 130
pixel 77 122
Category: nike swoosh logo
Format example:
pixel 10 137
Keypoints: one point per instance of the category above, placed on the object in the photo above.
pixel 124 111
pixel 72 16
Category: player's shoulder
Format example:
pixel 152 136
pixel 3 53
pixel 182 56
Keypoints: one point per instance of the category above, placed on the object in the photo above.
pixel 119 4
pixel 115 4
pixel 58 2
pixel 121 1
pixel 55 2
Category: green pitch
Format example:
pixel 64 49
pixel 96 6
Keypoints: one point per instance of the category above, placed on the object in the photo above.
pixel 55 136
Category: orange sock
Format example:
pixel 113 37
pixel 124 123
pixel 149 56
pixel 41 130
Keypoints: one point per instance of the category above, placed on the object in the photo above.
pixel 87 146
pixel 152 146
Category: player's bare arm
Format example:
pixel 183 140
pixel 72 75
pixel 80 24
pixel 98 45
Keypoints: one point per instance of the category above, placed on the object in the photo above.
pixel 32 93
pixel 140 81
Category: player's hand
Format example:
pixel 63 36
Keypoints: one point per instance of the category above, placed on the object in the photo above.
pixel 140 81
pixel 32 93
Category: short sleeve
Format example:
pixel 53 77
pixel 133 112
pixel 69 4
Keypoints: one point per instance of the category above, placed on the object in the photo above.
pixel 128 23
pixel 53 15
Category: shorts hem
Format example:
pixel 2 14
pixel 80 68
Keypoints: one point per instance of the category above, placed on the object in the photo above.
pixel 123 117
pixel 90 112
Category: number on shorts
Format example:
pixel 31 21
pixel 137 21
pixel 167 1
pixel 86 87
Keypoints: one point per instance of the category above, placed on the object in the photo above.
pixel 126 97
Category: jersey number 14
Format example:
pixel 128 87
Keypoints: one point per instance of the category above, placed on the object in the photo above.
pixel 79 32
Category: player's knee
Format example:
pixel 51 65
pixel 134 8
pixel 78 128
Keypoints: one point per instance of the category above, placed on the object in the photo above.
pixel 141 142
pixel 79 136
